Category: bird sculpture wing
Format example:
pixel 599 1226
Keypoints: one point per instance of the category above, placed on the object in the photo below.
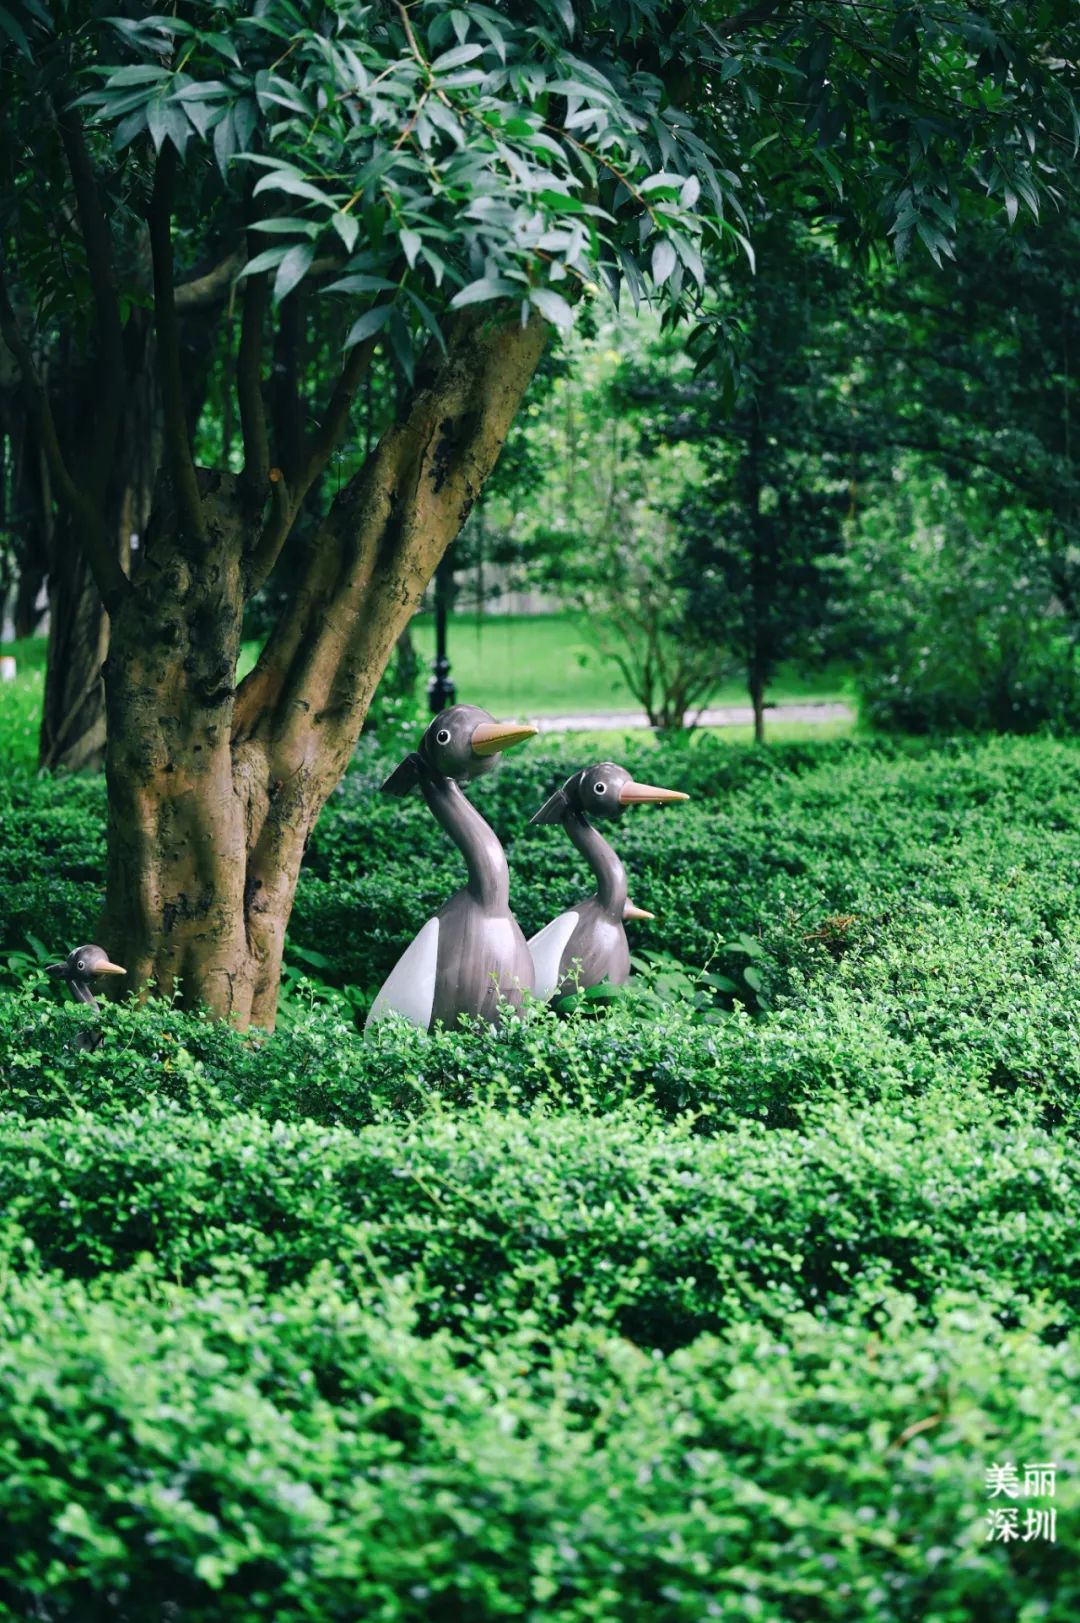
pixel 409 989
pixel 547 947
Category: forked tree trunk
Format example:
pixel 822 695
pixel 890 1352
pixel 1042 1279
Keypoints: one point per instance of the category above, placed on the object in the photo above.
pixel 214 790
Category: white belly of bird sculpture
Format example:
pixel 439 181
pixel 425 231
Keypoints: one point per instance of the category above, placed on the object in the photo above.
pixel 547 947
pixel 409 989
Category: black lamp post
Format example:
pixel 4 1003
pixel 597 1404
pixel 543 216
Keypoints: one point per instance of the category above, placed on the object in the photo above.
pixel 441 690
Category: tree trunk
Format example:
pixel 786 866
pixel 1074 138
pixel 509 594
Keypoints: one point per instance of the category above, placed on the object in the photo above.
pixel 25 614
pixel 72 737
pixel 213 789
pixel 757 699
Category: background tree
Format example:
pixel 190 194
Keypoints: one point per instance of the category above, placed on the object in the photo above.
pixel 771 420
pixel 451 173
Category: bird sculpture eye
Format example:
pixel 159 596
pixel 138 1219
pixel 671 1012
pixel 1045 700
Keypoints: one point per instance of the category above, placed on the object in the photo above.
pixel 599 788
pixel 442 736
pixel 80 966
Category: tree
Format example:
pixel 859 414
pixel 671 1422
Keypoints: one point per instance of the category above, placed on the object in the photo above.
pixel 588 512
pixel 452 172
pixel 953 612
pixel 761 530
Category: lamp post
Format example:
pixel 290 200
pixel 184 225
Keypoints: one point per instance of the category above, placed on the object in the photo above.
pixel 441 690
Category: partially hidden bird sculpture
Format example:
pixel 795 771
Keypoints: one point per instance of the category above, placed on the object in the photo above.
pixel 472 957
pixel 587 944
pixel 78 969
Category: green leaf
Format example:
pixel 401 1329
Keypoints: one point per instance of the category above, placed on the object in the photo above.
pixel 224 47
pixel 691 191
pixel 289 180
pixel 368 325
pixel 456 57
pixel 225 141
pixel 263 262
pixel 293 269
pixel 663 261
pixel 563 202
pixel 486 287
pixel 144 75
pixel 553 307
pixel 362 283
pixel 347 227
pixel 410 245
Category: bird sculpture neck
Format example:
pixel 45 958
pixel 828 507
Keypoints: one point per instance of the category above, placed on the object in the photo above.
pixel 608 870
pixel 489 876
pixel 80 990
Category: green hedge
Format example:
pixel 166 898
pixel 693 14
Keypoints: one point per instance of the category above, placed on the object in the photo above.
pixel 294 1457
pixel 621 1217
pixel 658 1312
pixel 773 843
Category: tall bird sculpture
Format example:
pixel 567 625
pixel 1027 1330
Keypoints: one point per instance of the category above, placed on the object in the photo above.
pixel 587 944
pixel 78 969
pixel 472 954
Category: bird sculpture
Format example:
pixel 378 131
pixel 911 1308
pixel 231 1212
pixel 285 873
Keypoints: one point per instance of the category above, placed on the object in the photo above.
pixel 78 969
pixel 587 944
pixel 472 957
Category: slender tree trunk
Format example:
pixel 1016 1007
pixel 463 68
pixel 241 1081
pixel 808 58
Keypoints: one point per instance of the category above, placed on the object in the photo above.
pixel 757 699
pixel 214 789
pixel 72 736
pixel 25 614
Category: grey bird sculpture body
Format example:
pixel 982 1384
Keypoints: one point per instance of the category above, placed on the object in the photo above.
pixel 472 955
pixel 587 944
pixel 78 969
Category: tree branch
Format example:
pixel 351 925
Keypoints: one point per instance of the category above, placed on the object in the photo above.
pixel 289 495
pixel 285 402
pixel 177 444
pixel 214 285
pixel 94 229
pixel 384 536
pixel 249 383
pixel 275 533
pixel 321 444
pixel 105 566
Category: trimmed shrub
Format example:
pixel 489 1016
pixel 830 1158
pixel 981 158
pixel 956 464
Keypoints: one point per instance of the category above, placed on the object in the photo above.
pixel 295 1457
pixel 621 1218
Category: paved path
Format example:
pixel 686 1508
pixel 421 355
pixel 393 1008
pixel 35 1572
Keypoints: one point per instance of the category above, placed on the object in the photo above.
pixel 732 715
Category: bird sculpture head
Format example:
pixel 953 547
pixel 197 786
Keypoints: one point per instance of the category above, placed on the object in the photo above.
pixel 82 966
pixel 461 743
pixel 601 791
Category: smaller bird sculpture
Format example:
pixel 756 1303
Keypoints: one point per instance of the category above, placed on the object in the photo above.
pixel 587 944
pixel 78 969
pixel 471 957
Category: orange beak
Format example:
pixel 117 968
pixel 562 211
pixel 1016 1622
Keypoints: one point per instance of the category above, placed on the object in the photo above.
pixel 492 736
pixel 109 969
pixel 646 794
pixel 632 911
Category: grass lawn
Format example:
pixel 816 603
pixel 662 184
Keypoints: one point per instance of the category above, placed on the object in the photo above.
pixel 534 665
pixel 546 665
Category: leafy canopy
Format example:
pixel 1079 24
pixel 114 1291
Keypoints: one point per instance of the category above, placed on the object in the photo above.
pixel 454 154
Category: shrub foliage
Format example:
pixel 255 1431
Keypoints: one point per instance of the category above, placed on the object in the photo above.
pixel 696 1304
